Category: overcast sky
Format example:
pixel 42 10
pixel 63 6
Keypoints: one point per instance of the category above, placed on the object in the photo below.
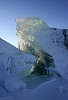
pixel 53 12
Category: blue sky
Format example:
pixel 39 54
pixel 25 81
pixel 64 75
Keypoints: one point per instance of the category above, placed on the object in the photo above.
pixel 53 12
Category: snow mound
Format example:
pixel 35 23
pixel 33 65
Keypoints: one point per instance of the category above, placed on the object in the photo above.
pixel 49 91
pixel 14 84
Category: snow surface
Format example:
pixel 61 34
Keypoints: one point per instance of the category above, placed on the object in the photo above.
pixel 13 84
pixel 50 90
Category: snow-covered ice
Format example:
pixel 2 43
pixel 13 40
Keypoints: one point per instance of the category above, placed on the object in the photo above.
pixel 15 65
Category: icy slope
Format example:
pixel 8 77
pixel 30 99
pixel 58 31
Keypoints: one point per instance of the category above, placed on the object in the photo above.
pixel 7 47
pixel 13 61
pixel 52 41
